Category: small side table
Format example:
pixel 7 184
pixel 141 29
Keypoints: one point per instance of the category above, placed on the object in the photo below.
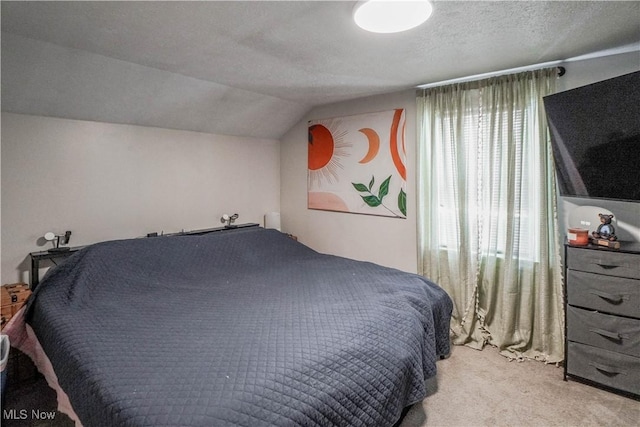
pixel 37 257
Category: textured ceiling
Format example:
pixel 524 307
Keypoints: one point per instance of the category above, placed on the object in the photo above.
pixel 256 68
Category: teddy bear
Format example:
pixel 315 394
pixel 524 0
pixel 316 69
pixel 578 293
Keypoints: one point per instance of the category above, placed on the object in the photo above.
pixel 605 229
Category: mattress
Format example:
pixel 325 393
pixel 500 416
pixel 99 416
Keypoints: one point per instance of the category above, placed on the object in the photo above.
pixel 243 327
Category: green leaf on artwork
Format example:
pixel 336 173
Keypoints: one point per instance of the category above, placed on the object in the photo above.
pixel 371 182
pixel 402 202
pixel 372 201
pixel 360 187
pixel 384 188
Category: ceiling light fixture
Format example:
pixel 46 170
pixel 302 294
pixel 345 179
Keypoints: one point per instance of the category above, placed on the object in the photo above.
pixel 391 16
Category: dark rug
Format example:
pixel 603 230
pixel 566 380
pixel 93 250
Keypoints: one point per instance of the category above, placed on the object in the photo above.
pixel 28 401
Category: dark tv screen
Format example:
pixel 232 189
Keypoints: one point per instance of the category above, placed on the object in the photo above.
pixel 595 135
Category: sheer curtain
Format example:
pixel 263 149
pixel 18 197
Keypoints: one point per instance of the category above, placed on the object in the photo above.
pixel 487 212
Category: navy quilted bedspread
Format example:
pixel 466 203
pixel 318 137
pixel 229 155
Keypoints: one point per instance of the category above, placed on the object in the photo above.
pixel 237 328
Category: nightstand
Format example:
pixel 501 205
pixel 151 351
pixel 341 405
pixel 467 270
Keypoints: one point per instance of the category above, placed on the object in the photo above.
pixel 12 298
pixel 37 257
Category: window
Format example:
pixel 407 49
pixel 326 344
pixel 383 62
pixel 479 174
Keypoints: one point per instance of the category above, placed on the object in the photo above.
pixel 487 231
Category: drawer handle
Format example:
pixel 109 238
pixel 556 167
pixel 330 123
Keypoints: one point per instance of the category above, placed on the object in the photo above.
pixel 607 369
pixel 616 299
pixel 607 266
pixel 613 335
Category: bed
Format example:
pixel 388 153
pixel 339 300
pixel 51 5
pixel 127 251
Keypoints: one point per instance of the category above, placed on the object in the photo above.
pixel 241 327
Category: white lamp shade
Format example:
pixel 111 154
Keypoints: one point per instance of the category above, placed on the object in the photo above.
pixel 272 220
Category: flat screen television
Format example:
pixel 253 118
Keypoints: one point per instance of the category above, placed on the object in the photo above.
pixel 595 136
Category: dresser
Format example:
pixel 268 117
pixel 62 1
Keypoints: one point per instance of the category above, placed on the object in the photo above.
pixel 602 316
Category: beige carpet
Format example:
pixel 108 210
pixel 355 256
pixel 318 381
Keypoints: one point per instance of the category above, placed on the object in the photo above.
pixel 482 388
pixel 473 388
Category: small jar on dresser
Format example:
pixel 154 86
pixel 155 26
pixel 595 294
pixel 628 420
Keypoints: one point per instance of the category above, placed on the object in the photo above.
pixel 602 316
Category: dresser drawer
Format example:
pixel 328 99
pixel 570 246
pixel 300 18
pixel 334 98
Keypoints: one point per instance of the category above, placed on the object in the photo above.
pixel 619 334
pixel 604 262
pixel 605 367
pixel 609 294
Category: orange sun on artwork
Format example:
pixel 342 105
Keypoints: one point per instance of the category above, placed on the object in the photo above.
pixel 326 147
pixel 320 147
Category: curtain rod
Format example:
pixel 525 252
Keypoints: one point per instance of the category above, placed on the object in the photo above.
pixel 561 72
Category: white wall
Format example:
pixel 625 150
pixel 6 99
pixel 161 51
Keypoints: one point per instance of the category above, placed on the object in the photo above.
pixel 383 240
pixel 389 241
pixel 105 181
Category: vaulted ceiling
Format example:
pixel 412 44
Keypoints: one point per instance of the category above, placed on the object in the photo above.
pixel 256 68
